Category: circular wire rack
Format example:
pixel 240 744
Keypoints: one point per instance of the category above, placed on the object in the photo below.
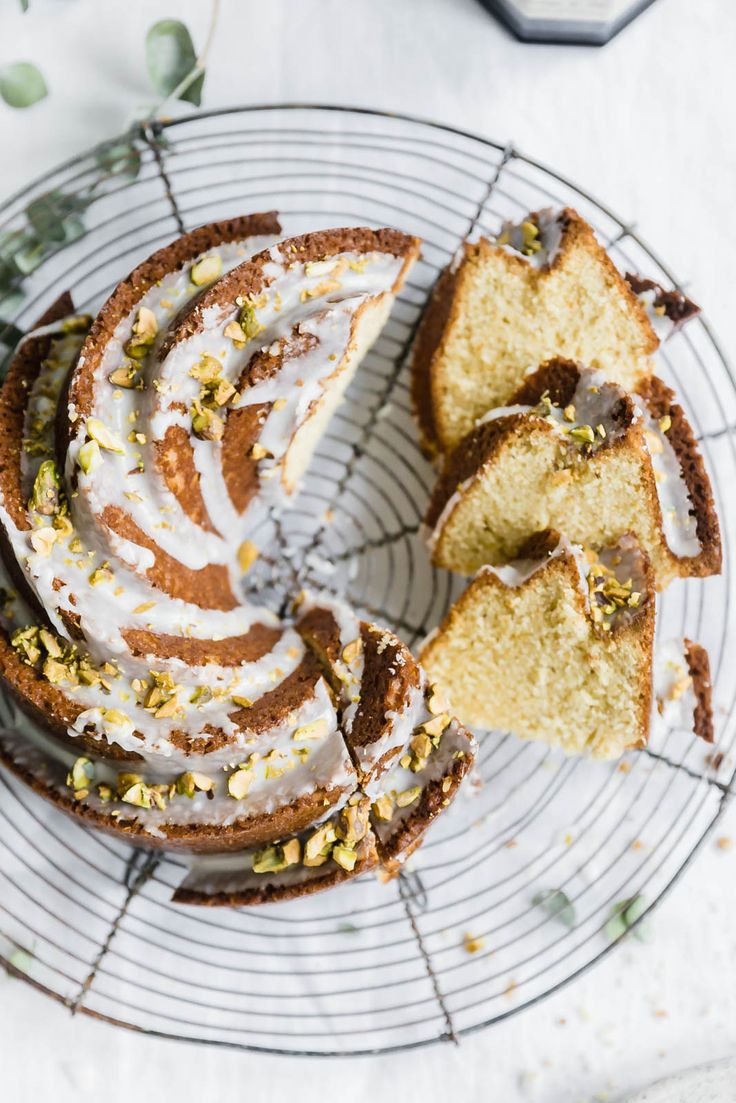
pixel 367 967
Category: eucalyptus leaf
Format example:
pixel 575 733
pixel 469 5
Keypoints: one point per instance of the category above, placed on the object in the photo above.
pixel 557 904
pixel 170 57
pixel 53 216
pixel 22 84
pixel 121 159
pixel 624 915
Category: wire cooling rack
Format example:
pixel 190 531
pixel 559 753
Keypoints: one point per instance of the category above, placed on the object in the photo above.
pixel 368 967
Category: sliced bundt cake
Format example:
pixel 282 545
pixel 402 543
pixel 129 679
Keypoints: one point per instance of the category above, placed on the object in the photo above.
pixel 556 646
pixel 158 704
pixel 543 288
pixel 578 454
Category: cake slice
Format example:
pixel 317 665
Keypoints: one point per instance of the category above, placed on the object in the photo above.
pixel 409 752
pixel 557 646
pixel 543 288
pixel 575 453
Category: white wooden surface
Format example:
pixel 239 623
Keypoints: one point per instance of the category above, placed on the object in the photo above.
pixel 645 124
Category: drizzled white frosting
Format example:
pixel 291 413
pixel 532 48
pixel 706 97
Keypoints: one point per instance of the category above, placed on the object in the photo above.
pixel 550 230
pixel 338 305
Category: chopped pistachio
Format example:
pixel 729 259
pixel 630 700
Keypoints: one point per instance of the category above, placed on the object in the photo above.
pixel 98 431
pixel 205 423
pixel 317 729
pixel 436 700
pixel 207 370
pixel 63 526
pixel 101 574
pixel 665 423
pixel 81 774
pixel 247 554
pixel 248 321
pixel 145 329
pixel 319 845
pixel 276 858
pixel 50 642
pixel 77 323
pixel 352 650
pixel 583 434
pixel 46 497
pixel 292 851
pixel 138 794
pixel 25 642
pixel 206 270
pixel 189 783
pixel 258 452
pixel 115 717
pixel 167 709
pixel 43 540
pixel 351 824
pixel 89 456
pixel 55 672
pixel 242 702
pixel 125 376
pixel 345 856
pixel 403 800
pixel 235 333
pixel 105 793
pixel 382 807
pixel 436 725
pixel 240 782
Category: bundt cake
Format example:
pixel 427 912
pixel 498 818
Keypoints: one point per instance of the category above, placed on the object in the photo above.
pixel 543 288
pixel 558 646
pixel 136 450
pixel 575 453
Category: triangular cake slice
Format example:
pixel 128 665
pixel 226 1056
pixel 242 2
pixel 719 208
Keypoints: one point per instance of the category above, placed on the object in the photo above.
pixel 543 288
pixel 409 752
pixel 555 647
pixel 575 453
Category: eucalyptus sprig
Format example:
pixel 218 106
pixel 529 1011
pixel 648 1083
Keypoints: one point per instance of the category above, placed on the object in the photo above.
pixel 55 218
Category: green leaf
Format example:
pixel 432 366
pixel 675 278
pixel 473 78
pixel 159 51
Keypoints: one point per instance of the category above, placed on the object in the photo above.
pixel 624 915
pixel 22 84
pixel 121 159
pixel 53 217
pixel 170 57
pixel 557 904
pixel 24 5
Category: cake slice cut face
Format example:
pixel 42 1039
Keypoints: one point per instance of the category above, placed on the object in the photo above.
pixel 553 647
pixel 575 453
pixel 559 647
pixel 542 289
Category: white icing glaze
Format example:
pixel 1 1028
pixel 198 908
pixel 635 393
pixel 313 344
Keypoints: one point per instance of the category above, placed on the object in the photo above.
pixel 674 701
pixel 550 237
pixel 339 318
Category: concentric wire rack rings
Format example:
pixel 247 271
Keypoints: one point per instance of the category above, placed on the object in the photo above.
pixel 368 967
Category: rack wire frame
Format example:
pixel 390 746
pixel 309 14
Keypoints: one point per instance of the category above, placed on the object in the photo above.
pixel 368 968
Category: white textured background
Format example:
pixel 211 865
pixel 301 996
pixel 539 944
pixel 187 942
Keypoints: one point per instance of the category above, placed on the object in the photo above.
pixel 646 124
